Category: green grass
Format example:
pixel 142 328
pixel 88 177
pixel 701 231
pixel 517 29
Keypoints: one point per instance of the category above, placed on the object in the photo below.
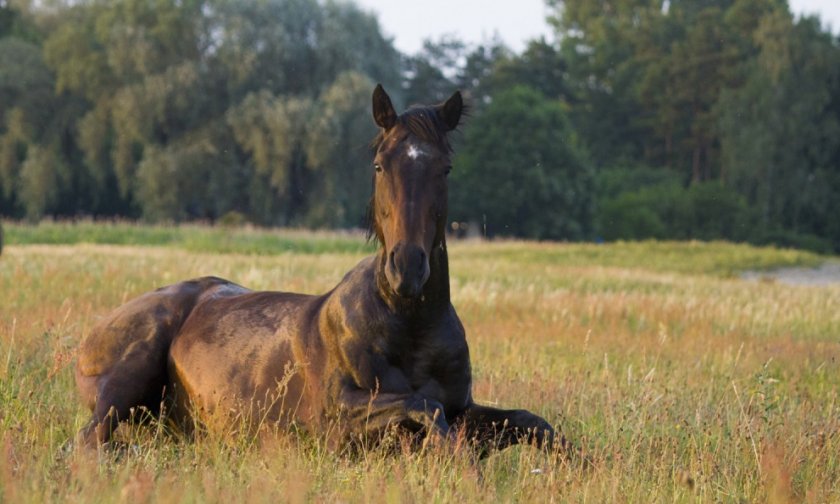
pixel 683 382
pixel 197 238
pixel 718 258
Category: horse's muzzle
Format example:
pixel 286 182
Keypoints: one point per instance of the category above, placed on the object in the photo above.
pixel 407 269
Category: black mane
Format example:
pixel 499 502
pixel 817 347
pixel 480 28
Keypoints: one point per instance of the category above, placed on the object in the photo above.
pixel 422 122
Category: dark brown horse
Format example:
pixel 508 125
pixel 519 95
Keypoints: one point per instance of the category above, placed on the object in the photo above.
pixel 383 348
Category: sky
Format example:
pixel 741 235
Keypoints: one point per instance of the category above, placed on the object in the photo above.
pixel 829 10
pixel 472 20
pixel 409 23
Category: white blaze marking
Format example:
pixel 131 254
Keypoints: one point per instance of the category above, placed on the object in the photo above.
pixel 415 152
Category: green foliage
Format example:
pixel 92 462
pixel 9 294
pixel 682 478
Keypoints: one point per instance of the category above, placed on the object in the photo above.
pixel 704 211
pixel 522 172
pixel 188 179
pixel 26 99
pixel 42 176
pixel 189 110
pixel 432 73
pixel 737 92
pixel 781 136
pixel 612 182
pixel 338 152
pixel 233 219
pixel 271 130
pixel 791 239
pixel 541 66
pixel 180 110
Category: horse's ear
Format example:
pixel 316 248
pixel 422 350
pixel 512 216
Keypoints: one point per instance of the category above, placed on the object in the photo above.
pixel 383 110
pixel 450 112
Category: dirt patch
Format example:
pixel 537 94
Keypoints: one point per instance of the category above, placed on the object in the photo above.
pixel 826 274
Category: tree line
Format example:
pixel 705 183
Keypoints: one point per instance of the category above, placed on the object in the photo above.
pixel 636 119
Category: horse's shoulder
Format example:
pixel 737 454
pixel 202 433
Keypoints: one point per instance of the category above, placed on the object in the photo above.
pixel 352 301
pixel 357 284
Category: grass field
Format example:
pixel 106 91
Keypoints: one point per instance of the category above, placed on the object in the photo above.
pixel 681 381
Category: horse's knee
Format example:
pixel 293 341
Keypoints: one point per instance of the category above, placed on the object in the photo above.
pixel 106 419
pixel 428 414
pixel 86 437
pixel 95 433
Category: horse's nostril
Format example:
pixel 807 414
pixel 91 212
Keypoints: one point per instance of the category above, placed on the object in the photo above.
pixel 391 260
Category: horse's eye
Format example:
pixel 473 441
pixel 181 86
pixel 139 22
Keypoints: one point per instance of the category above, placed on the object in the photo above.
pixel 447 170
pixel 377 167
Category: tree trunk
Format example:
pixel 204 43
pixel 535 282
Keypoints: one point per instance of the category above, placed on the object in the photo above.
pixel 695 164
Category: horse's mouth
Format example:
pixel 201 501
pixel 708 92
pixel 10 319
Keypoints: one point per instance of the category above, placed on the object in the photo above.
pixel 407 270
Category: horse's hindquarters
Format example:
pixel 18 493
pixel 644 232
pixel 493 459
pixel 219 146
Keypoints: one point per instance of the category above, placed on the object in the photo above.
pixel 233 363
pixel 122 362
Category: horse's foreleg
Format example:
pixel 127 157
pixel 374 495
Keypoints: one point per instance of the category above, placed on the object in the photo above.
pixel 366 412
pixel 499 428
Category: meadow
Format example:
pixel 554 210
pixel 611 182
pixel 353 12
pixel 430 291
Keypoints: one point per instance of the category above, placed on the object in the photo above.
pixel 680 381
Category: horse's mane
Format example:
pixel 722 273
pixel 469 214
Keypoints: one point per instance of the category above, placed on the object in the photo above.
pixel 424 123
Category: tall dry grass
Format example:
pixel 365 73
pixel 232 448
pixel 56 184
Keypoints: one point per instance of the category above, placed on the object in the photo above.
pixel 681 381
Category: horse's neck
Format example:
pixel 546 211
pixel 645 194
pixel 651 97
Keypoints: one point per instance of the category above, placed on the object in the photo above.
pixel 438 284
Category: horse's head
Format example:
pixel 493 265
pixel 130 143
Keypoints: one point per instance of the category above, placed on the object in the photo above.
pixel 408 209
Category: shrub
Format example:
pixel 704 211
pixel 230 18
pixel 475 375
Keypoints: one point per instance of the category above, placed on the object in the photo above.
pixel 791 239
pixel 705 211
pixel 522 172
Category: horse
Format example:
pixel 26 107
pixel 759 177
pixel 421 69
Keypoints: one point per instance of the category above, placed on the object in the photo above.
pixel 383 349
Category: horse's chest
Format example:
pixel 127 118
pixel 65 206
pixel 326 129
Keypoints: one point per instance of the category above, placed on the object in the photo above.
pixel 421 367
pixel 440 372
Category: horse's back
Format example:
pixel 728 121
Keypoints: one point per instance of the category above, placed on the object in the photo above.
pixel 242 354
pixel 138 333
